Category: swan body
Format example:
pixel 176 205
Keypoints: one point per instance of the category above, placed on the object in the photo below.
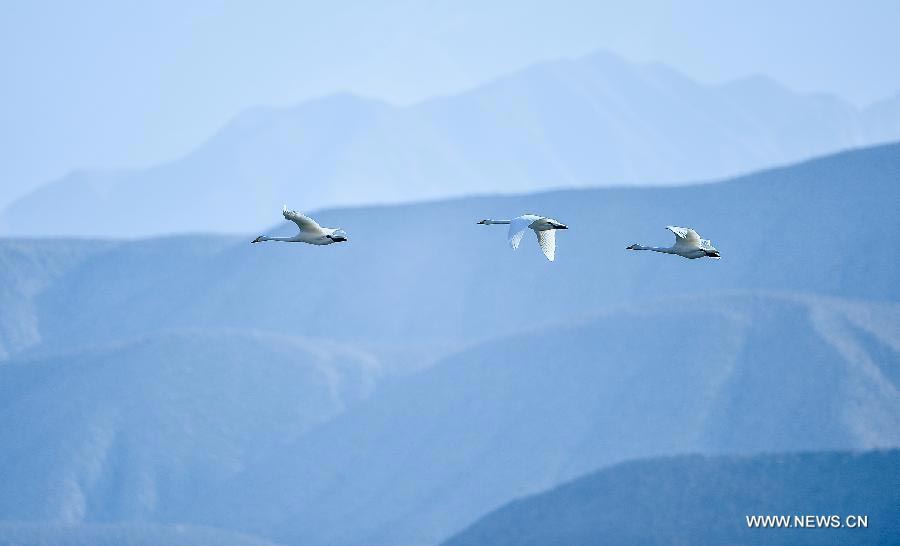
pixel 688 244
pixel 310 231
pixel 545 229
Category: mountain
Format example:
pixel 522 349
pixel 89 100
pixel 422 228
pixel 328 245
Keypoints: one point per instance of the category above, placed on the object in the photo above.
pixel 396 388
pixel 142 430
pixel 27 268
pixel 440 282
pixel 705 500
pixel 517 415
pixel 120 534
pixel 594 121
pixel 883 117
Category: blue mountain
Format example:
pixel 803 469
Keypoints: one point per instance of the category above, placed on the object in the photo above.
pixel 596 121
pixel 705 500
pixel 396 388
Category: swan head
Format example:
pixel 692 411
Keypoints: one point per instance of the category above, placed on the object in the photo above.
pixel 632 247
pixel 712 254
pixel 485 222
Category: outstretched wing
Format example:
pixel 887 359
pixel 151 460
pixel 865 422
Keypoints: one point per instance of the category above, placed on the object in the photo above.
pixel 547 240
pixel 305 223
pixel 517 227
pixel 685 236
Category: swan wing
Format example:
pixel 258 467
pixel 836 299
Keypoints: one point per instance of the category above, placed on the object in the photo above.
pixel 305 223
pixel 547 240
pixel 685 236
pixel 517 227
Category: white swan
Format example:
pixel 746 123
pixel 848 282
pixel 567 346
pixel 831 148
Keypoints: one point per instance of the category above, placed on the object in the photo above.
pixel 310 231
pixel 545 229
pixel 687 243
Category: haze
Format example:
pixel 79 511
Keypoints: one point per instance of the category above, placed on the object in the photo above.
pixel 101 84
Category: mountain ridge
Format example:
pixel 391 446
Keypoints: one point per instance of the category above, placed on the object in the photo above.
pixel 594 121
pixel 702 499
pixel 517 414
pixel 198 281
pixel 209 381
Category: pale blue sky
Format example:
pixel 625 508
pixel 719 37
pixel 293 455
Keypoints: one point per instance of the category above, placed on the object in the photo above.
pixel 100 84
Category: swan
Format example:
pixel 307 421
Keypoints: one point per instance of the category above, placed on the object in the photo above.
pixel 545 229
pixel 310 231
pixel 687 244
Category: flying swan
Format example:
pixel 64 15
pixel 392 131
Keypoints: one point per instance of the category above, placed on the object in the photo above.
pixel 687 244
pixel 545 229
pixel 310 231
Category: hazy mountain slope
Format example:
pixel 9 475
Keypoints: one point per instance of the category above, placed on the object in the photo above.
pixel 145 393
pixel 882 118
pixel 140 431
pixel 594 121
pixel 28 267
pixel 416 281
pixel 704 500
pixel 599 121
pixel 709 373
pixel 120 534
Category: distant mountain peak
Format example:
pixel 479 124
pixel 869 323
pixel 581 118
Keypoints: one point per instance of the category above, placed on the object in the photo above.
pixel 587 122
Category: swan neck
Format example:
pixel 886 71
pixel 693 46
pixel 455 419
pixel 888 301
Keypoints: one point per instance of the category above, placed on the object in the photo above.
pixel 498 221
pixel 666 250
